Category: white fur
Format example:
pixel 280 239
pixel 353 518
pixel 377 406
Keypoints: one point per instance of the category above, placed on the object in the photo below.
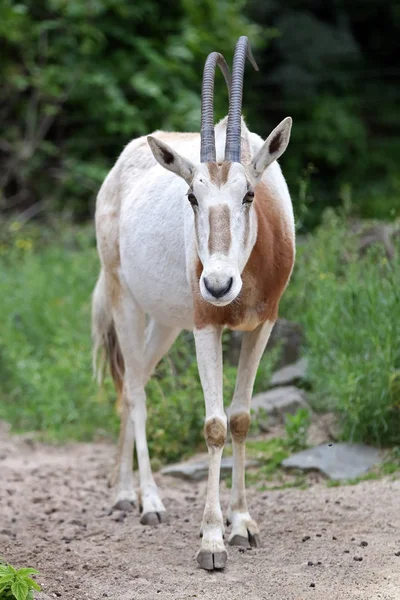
pixel 148 247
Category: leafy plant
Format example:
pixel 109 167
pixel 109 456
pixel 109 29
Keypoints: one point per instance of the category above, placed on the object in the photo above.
pixel 269 475
pixel 82 79
pixel 17 584
pixel 325 77
pixel 349 306
pixel 296 427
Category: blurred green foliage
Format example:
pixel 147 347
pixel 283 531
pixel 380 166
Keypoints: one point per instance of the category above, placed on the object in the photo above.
pixel 81 78
pixel 334 66
pixel 296 428
pixel 47 275
pixel 349 305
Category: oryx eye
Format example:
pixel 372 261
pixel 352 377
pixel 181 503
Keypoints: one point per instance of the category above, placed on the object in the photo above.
pixel 249 197
pixel 192 199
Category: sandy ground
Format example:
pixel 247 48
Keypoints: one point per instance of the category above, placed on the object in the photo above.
pixel 54 516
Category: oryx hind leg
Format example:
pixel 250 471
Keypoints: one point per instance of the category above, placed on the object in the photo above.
pixel 141 349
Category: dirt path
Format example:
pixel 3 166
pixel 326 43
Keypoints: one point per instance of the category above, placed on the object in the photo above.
pixel 54 516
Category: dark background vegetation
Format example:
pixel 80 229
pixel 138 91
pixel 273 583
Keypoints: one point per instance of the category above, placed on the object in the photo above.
pixel 79 79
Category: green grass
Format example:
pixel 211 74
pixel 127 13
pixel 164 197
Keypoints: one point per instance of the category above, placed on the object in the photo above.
pixel 47 277
pixel 349 307
pixel 17 584
pixel 270 475
pixel 45 363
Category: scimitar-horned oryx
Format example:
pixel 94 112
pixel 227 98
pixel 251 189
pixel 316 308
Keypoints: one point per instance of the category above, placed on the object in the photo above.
pixel 200 246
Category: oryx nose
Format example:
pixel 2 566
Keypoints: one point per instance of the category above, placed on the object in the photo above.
pixel 217 290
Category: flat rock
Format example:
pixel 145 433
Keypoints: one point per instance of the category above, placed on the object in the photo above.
pixel 291 374
pixel 197 469
pixel 336 461
pixel 278 402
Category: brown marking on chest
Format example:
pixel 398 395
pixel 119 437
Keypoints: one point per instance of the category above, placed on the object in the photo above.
pixel 220 229
pixel 264 277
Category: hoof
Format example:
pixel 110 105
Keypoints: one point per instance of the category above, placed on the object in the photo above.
pixel 255 540
pixel 239 540
pixel 209 561
pixel 125 505
pixel 154 518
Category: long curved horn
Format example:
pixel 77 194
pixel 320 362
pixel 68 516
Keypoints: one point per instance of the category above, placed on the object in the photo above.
pixel 232 144
pixel 207 136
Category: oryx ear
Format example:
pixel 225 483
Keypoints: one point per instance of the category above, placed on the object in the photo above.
pixel 171 160
pixel 273 147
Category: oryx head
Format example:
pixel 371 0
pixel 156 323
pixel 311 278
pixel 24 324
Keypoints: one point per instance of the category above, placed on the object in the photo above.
pixel 222 194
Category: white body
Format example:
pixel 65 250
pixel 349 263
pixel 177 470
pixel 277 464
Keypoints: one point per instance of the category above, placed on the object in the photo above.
pixel 149 245
pixel 156 225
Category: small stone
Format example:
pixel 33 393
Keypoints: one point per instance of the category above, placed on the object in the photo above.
pixel 346 551
pixel 397 553
pixel 358 558
pixel 364 544
pixel 310 563
pixel 305 538
pixel 312 584
pixel 318 535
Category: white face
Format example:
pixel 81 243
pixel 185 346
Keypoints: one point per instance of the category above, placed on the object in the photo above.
pixel 225 221
pixel 221 198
